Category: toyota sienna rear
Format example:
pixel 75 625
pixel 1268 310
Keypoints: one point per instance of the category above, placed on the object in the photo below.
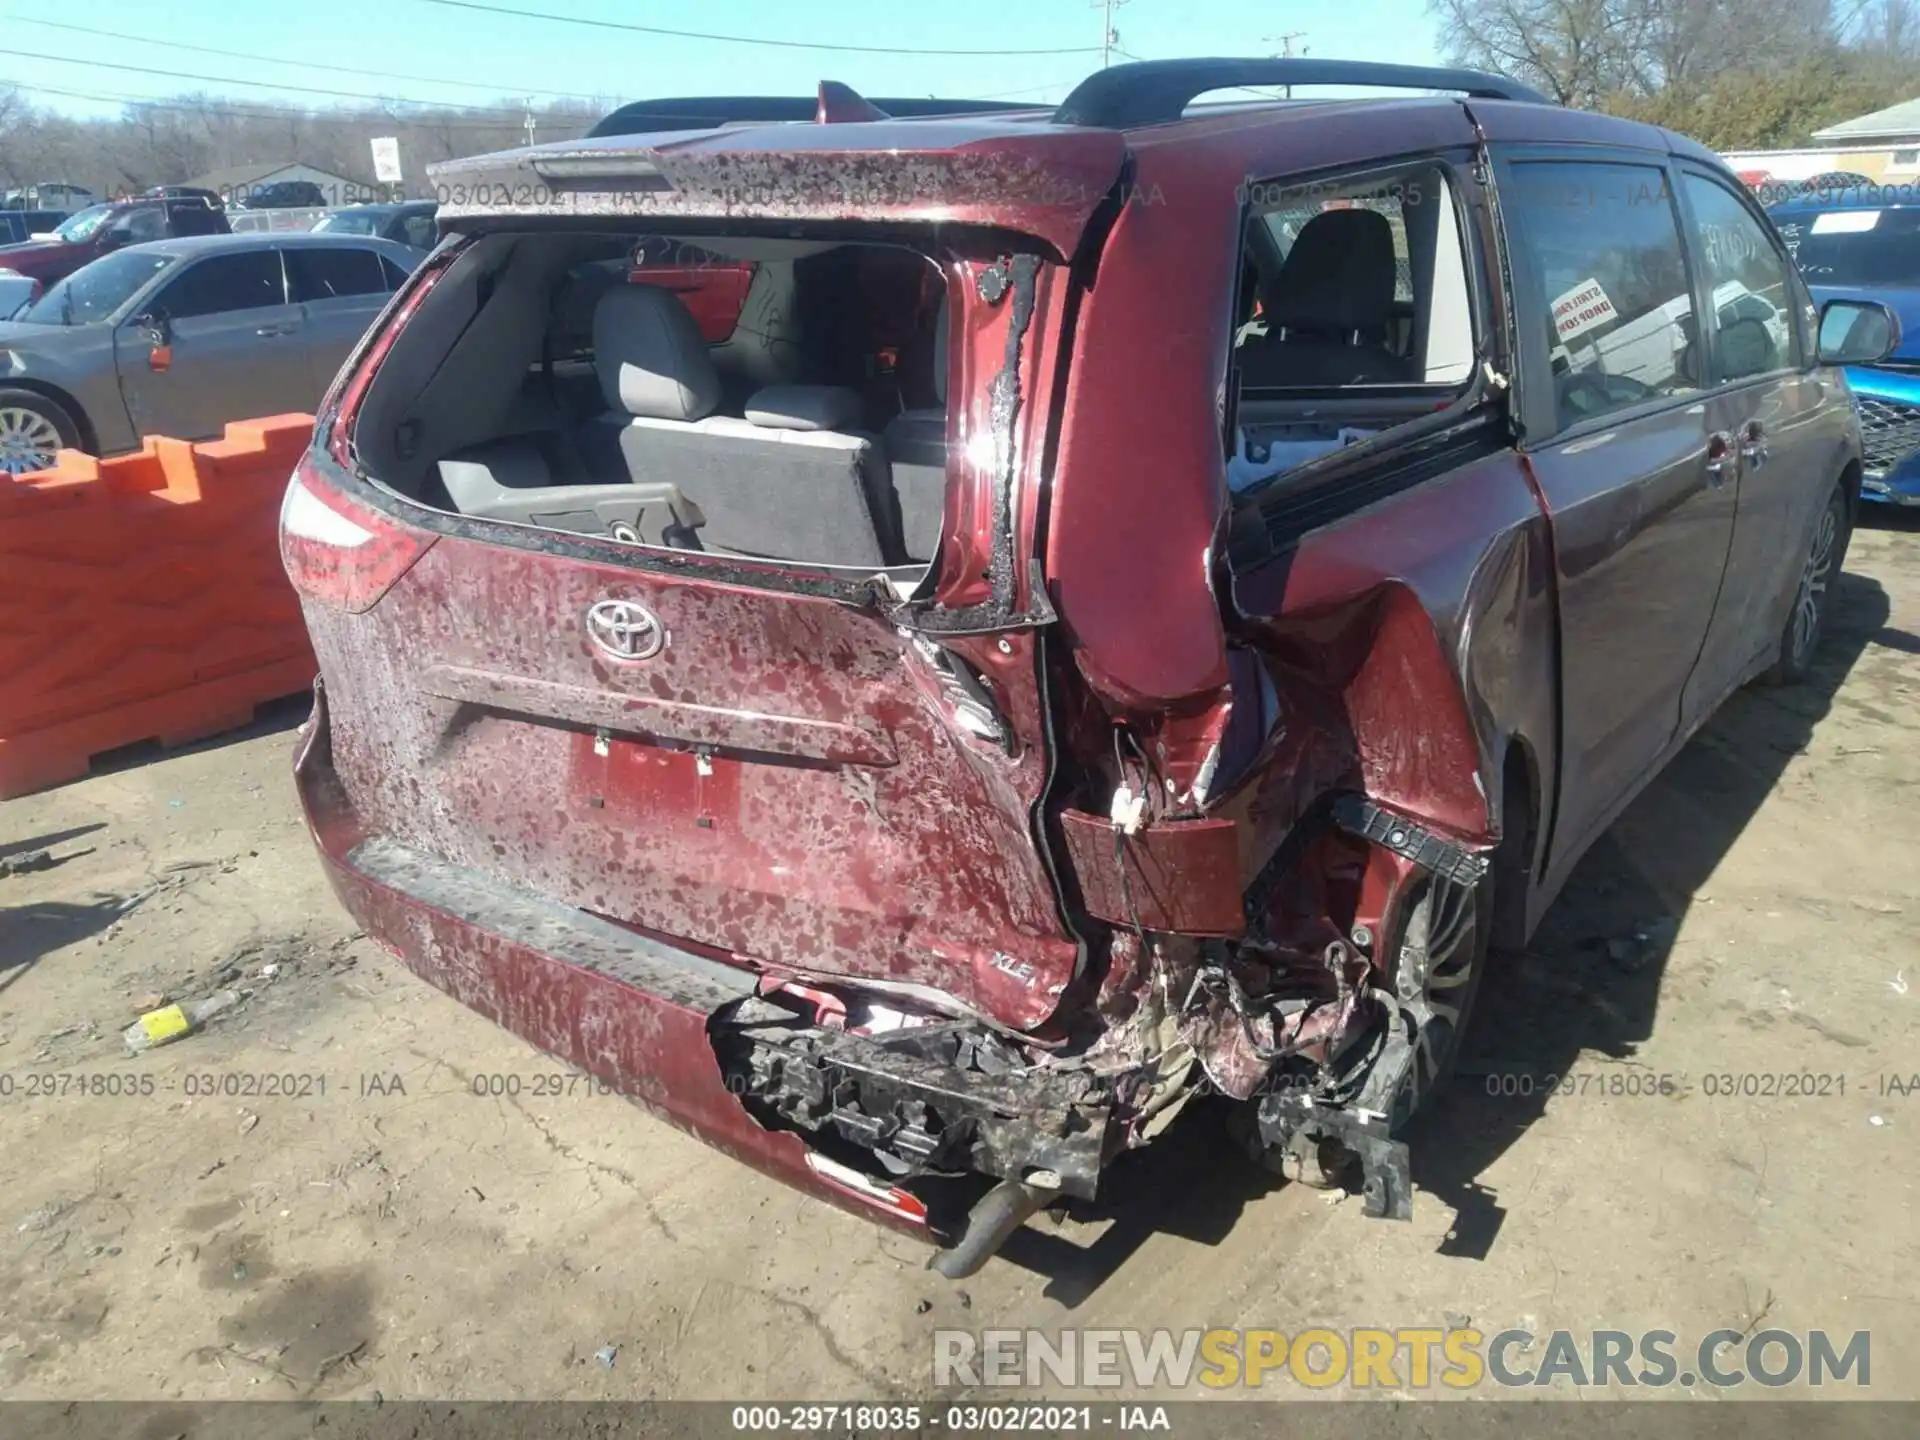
pixel 919 648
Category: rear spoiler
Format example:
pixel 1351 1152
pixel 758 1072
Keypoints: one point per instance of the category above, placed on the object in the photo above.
pixel 713 112
pixel 1039 180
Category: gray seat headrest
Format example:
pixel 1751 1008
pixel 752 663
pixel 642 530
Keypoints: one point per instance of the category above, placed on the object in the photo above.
pixel 650 355
pixel 804 407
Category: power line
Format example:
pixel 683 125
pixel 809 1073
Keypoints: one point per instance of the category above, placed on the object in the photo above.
pixel 361 116
pixel 1061 85
pixel 742 39
pixel 260 84
pixel 302 64
pixel 241 112
pixel 1109 37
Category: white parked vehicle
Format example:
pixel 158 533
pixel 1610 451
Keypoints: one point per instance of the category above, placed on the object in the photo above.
pixel 1648 348
pixel 251 222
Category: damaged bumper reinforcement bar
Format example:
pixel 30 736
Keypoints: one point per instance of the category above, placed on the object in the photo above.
pixel 918 1098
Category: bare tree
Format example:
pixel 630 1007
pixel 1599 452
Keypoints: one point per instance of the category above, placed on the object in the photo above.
pixel 1736 73
pixel 17 135
pixel 1574 50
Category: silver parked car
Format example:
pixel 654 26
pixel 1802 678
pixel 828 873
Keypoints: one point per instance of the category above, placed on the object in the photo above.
pixel 16 293
pixel 179 337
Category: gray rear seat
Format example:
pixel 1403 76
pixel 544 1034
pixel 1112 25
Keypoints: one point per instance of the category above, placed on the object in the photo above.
pixel 792 481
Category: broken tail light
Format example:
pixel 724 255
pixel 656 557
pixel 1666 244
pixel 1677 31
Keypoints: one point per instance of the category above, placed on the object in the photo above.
pixel 338 551
pixel 890 1197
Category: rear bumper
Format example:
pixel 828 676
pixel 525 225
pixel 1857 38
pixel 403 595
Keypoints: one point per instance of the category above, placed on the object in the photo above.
pixel 624 1008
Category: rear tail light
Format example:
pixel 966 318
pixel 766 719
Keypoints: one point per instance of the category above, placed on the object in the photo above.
pixel 903 1203
pixel 338 551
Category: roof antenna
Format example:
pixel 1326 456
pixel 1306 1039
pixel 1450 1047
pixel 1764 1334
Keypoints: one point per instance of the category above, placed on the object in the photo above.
pixel 843 105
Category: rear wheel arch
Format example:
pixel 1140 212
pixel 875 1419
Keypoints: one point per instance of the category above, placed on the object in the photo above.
pixel 1811 597
pixel 1850 478
pixel 1520 818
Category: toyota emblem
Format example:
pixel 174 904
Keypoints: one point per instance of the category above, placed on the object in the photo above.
pixel 623 630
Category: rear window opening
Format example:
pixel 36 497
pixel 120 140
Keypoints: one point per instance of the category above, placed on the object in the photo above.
pixel 1356 315
pixel 773 399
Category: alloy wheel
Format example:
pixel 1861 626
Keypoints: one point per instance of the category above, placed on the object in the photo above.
pixel 1439 956
pixel 29 441
pixel 1814 578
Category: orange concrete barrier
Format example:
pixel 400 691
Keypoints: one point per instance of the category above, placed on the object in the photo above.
pixel 142 598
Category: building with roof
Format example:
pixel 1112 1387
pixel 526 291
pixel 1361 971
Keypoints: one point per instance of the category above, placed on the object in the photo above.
pixel 1891 136
pixel 1884 146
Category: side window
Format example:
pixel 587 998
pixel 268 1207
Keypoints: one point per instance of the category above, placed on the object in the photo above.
pixel 146 223
pixel 215 286
pixel 189 218
pixel 1355 282
pixel 396 277
pixel 330 274
pixel 1753 300
pixel 417 231
pixel 1353 289
pixel 1613 297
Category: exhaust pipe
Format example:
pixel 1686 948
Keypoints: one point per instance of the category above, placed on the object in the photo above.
pixel 1000 1212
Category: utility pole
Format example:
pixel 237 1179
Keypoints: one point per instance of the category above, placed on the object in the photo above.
pixel 1285 42
pixel 1109 37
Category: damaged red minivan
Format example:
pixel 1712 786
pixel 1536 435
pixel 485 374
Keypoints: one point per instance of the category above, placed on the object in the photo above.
pixel 1084 608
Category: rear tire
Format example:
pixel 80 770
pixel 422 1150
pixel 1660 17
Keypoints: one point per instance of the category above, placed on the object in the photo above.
pixel 33 430
pixel 1819 568
pixel 1437 969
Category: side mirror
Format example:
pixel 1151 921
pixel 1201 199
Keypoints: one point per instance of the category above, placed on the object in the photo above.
pixel 1857 332
pixel 159 336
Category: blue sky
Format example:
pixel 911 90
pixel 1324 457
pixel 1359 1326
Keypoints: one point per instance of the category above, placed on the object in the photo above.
pixel 474 56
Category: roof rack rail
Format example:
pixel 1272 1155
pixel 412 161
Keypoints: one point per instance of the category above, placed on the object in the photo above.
pixel 1151 92
pixel 712 111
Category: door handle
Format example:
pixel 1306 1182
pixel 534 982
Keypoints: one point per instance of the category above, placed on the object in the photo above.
pixel 1720 457
pixel 1753 444
pixel 270 330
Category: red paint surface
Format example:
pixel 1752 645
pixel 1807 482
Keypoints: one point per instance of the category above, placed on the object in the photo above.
pixel 646 1047
pixel 1182 875
pixel 912 865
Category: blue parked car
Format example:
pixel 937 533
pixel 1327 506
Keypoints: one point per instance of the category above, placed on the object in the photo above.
pixel 1864 244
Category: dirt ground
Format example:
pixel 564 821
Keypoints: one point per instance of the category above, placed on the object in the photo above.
pixel 388 1225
